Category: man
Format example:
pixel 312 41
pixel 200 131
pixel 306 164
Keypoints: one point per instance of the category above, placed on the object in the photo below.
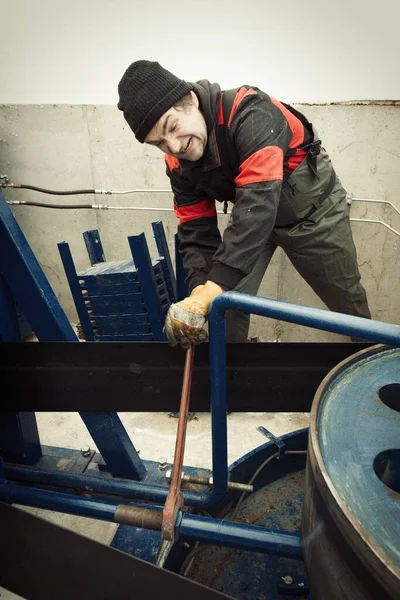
pixel 245 147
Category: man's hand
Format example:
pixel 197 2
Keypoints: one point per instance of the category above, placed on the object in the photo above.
pixel 185 322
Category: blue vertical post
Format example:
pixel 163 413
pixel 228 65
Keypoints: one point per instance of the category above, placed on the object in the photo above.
pixel 114 444
pixel 28 283
pixel 142 260
pixel 9 324
pixel 181 287
pixel 163 250
pixel 19 438
pixel 94 246
pixel 72 277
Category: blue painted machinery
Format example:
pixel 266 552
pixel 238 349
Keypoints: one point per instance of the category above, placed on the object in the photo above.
pixel 322 520
pixel 122 300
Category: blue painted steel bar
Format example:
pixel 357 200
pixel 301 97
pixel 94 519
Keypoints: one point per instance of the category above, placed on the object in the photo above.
pixel 28 283
pixel 9 324
pixel 162 247
pixel 14 493
pixel 277 441
pixel 94 246
pixel 182 290
pixel 114 444
pixel 142 260
pixel 374 331
pixel 19 438
pixel 213 531
pixel 128 489
pixel 239 535
pixel 72 277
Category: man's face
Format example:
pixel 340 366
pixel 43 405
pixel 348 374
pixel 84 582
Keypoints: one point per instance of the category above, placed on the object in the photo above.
pixel 181 131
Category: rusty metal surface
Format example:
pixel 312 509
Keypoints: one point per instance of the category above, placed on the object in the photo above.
pixel 174 499
pixel 250 575
pixel 138 517
pixel 351 519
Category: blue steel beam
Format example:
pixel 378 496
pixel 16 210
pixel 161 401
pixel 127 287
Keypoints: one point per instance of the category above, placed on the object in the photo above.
pixel 239 535
pixel 132 490
pixel 181 287
pixel 143 263
pixel 94 246
pixel 211 531
pixel 114 444
pixel 76 291
pixel 9 325
pixel 28 283
pixel 374 331
pixel 19 438
pixel 163 250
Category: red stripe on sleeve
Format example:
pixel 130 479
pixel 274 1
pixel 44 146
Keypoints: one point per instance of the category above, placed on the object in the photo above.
pixel 205 208
pixel 220 119
pixel 240 94
pixel 172 162
pixel 294 123
pixel 264 165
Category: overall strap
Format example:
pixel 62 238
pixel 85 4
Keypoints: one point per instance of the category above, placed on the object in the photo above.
pixel 227 103
pixel 312 148
pixel 228 99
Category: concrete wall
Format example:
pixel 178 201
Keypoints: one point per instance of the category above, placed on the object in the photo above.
pixel 71 147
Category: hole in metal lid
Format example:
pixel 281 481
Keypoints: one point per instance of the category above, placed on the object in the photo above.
pixel 387 468
pixel 390 395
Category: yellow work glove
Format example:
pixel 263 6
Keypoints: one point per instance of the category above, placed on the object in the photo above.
pixel 186 320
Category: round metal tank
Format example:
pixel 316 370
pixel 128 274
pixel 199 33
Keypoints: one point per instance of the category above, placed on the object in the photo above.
pixel 351 510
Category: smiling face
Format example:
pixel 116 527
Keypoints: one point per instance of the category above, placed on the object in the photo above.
pixel 181 131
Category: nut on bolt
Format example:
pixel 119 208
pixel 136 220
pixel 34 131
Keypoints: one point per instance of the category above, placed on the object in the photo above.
pixel 162 464
pixel 85 451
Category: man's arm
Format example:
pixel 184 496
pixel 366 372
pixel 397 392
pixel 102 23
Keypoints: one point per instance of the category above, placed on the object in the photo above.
pixel 198 232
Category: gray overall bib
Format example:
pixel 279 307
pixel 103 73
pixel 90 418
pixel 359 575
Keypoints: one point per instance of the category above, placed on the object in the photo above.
pixel 313 228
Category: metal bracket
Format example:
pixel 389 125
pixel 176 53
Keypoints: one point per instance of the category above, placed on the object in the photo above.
pixel 292 584
pixel 277 441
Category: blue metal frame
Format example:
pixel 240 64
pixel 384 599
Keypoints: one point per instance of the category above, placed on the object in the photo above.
pixel 277 441
pixel 143 263
pixel 182 290
pixel 73 280
pixel 238 535
pixel 94 246
pixel 162 247
pixel 207 530
pixel 9 323
pixel 29 285
pixel 114 445
pixel 374 331
pixel 19 438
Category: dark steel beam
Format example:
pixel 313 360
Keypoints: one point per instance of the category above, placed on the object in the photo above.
pixel 119 376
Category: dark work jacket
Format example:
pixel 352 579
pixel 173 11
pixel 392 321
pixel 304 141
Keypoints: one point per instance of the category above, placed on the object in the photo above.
pixel 248 155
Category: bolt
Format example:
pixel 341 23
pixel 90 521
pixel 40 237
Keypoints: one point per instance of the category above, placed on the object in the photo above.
pixel 288 579
pixel 162 464
pixel 85 451
pixel 243 586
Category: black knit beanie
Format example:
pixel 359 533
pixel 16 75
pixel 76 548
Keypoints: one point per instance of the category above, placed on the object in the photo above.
pixel 146 92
